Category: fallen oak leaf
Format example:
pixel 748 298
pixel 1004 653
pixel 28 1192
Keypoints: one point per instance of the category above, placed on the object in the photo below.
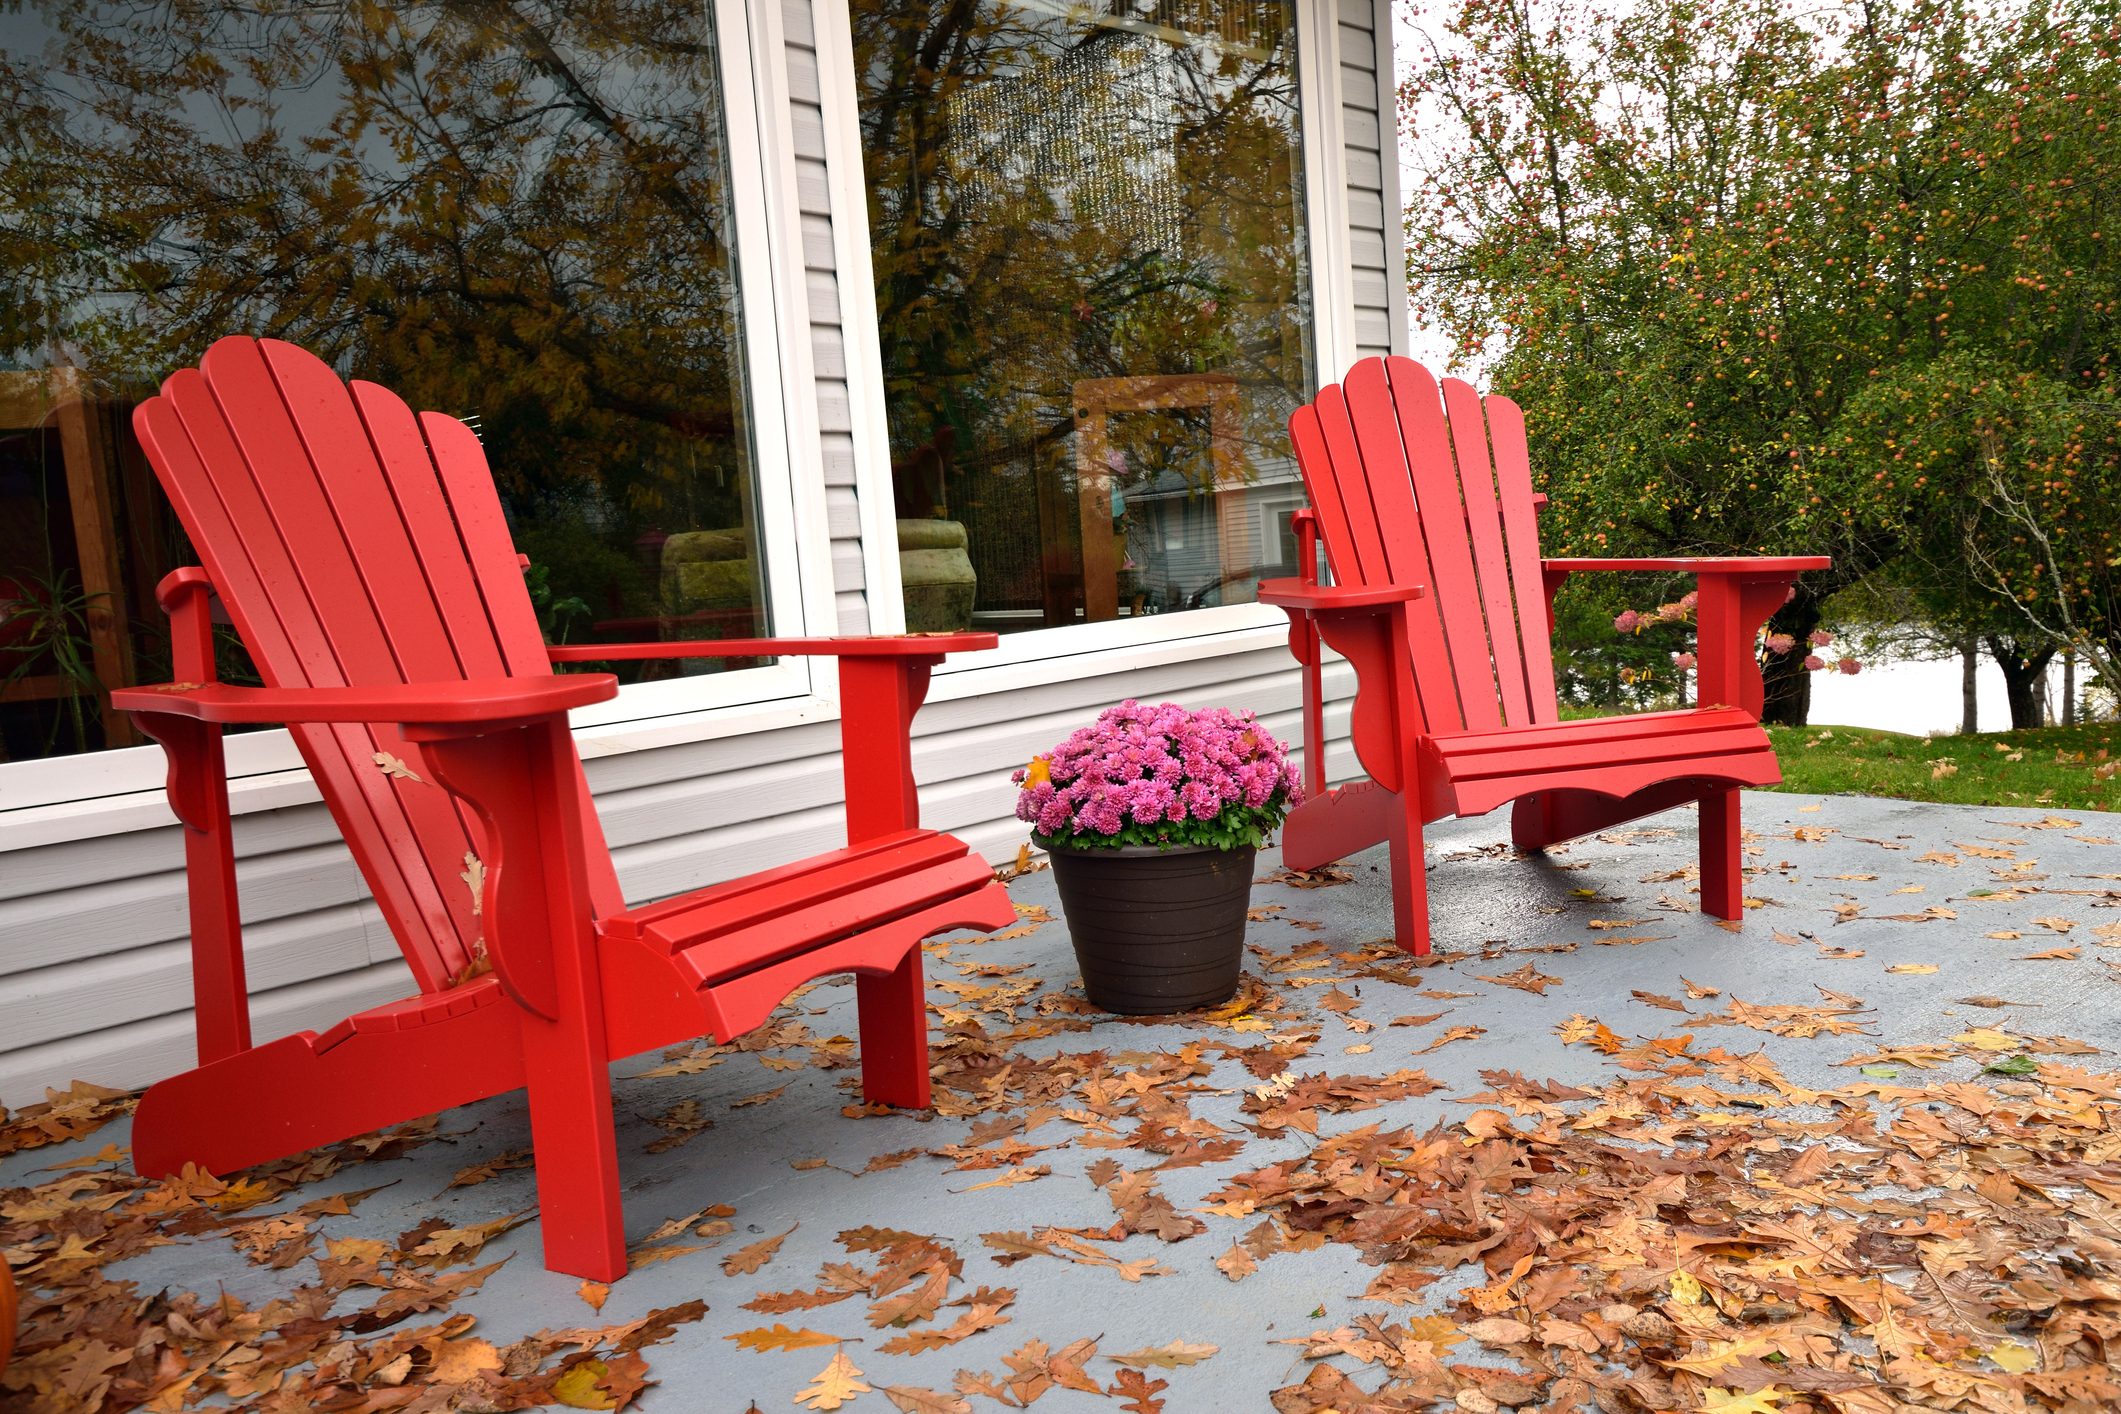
pixel 1527 978
pixel 746 1260
pixel 581 1386
pixel 911 1399
pixel 480 1172
pixel 445 1247
pixel 834 1385
pixel 780 1337
pixel 1165 1357
pixel 1237 1263
pixel 1022 1173
pixel 982 1317
pixel 1140 1392
pixel 776 1303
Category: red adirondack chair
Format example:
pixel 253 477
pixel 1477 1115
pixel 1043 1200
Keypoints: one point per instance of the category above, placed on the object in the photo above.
pixel 361 553
pixel 1442 603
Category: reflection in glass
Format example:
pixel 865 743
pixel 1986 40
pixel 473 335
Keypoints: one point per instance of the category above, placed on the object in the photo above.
pixel 1093 295
pixel 516 213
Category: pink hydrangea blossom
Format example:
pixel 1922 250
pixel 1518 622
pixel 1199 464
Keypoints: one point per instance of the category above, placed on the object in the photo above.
pixel 1780 643
pixel 1683 661
pixel 1671 613
pixel 1813 662
pixel 1161 768
pixel 1628 621
pixel 1821 638
pixel 1691 600
pixel 1849 666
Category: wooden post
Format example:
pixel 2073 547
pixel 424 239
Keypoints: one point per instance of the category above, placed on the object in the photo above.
pixel 1096 399
pixel 88 488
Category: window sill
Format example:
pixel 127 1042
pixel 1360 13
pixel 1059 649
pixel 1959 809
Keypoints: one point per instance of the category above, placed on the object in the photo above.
pixel 268 775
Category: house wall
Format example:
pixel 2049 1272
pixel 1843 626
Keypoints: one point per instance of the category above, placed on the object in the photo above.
pixel 94 979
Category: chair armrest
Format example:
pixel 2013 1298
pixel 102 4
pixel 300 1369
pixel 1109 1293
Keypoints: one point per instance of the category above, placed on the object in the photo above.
pixel 1739 593
pixel 469 702
pixel 905 645
pixel 1299 597
pixel 1698 564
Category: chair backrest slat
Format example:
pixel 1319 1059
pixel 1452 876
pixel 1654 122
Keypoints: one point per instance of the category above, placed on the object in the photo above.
pixel 1476 480
pixel 1419 484
pixel 356 545
pixel 1520 524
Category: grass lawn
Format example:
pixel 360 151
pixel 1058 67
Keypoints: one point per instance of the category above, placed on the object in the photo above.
pixel 2069 767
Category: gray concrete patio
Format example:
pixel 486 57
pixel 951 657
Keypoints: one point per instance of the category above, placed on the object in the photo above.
pixel 1848 891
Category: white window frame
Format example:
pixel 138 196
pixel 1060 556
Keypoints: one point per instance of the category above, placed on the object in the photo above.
pixel 1042 655
pixel 40 796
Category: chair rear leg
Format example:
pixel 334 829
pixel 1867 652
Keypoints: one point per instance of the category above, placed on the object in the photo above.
pixel 892 1008
pixel 1722 870
pixel 1531 825
pixel 1410 877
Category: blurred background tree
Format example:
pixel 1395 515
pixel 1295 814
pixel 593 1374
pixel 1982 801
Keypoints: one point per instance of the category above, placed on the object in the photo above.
pixel 1767 281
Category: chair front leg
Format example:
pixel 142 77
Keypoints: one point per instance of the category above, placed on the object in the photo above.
pixel 198 795
pixel 878 697
pixel 522 784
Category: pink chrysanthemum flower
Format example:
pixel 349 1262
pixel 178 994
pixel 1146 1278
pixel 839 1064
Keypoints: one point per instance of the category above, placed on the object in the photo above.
pixel 1161 774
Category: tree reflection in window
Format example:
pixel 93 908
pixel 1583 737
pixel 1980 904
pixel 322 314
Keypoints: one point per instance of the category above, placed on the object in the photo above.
pixel 517 213
pixel 1069 201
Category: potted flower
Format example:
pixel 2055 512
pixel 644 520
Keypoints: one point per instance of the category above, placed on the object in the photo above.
pixel 1151 816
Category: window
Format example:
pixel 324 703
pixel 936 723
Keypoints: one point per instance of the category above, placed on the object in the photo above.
pixel 1093 300
pixel 518 214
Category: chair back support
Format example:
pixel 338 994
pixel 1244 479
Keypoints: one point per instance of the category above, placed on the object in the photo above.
pixel 356 544
pixel 1410 487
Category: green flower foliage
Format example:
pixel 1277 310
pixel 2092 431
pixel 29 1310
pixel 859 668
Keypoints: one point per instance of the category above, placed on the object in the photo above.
pixel 1237 827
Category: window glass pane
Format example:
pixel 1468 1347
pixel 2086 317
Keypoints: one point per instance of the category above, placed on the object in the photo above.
pixel 516 214
pixel 1093 291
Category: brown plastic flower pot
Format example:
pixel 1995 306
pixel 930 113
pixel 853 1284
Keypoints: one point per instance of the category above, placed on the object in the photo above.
pixel 1156 930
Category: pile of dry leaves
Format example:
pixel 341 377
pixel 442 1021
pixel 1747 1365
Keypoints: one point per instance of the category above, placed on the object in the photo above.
pixel 1693 1230
pixel 90 1342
